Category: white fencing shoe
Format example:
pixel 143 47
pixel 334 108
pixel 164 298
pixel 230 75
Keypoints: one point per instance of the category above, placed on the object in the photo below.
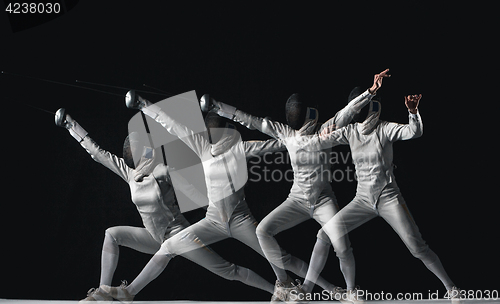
pixel 119 293
pixel 279 294
pixel 97 295
pixel 454 294
pixel 352 296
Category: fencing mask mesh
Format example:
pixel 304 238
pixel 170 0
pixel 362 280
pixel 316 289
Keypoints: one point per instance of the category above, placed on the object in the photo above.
pixel 222 134
pixel 295 111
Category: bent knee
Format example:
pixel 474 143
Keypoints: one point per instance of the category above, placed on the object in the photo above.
pixel 322 236
pixel 112 234
pixel 264 230
pixel 227 271
pixel 343 251
pixel 416 245
pixel 165 250
pixel 420 252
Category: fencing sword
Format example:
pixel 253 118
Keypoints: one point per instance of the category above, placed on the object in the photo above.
pixel 60 83
pixel 37 108
pixel 142 114
pixel 95 90
pixel 122 88
pixel 54 82
pixel 91 83
pixel 148 86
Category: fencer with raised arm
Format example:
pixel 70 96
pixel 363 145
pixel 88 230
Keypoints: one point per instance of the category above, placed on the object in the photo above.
pixel 311 195
pixel 377 194
pixel 223 155
pixel 153 194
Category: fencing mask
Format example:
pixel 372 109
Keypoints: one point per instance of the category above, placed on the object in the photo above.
pixel 138 155
pixel 222 134
pixel 299 116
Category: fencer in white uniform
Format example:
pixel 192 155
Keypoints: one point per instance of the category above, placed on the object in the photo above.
pixel 377 193
pixel 224 160
pixel 153 194
pixel 311 195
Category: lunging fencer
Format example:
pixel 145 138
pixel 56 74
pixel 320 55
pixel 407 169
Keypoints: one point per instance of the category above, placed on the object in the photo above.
pixel 311 195
pixel 377 193
pixel 223 155
pixel 153 194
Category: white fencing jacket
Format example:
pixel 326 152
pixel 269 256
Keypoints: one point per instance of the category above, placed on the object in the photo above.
pixel 311 169
pixel 153 195
pixel 225 168
pixel 372 153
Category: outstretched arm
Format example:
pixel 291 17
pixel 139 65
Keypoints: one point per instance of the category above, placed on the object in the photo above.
pixel 327 139
pixel 107 159
pixel 272 128
pixel 343 117
pixel 265 125
pixel 261 147
pixel 195 141
pixel 411 130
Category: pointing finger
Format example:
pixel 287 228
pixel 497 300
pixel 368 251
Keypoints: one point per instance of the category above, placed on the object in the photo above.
pixel 384 73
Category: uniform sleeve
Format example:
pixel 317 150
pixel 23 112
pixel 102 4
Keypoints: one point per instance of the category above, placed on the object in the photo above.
pixel 272 128
pixel 105 158
pixel 77 131
pixel 319 142
pixel 413 129
pixel 343 117
pixel 195 141
pixel 260 147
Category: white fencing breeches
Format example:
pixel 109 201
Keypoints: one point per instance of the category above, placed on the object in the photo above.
pixel 242 226
pixel 192 243
pixel 392 208
pixel 132 237
pixel 292 212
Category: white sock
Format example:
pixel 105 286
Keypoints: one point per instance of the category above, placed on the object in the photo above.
pixel 249 277
pixel 280 273
pixel 316 265
pixel 348 268
pixel 300 267
pixel 433 263
pixel 151 271
pixel 274 254
pixel 109 259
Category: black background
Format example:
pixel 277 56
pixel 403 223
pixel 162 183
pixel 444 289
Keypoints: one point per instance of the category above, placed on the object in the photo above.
pixel 57 202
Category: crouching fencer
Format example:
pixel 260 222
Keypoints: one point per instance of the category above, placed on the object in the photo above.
pixel 153 194
pixel 377 193
pixel 223 155
pixel 311 195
